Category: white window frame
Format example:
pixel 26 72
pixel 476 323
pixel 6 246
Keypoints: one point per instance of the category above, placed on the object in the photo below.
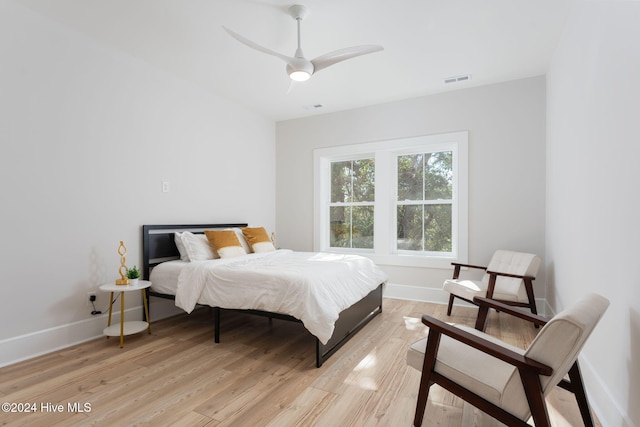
pixel 385 250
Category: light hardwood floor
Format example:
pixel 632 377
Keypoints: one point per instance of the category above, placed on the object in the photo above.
pixel 259 375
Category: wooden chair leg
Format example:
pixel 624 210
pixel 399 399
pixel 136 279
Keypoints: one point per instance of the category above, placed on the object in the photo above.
pixel 456 274
pixel 528 286
pixel 581 396
pixel 433 342
pixel 450 306
pixel 535 397
pixel 481 320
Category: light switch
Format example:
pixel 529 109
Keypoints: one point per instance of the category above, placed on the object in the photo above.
pixel 165 186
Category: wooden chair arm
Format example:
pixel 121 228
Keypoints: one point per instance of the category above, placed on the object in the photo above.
pixel 528 316
pixel 457 264
pixel 515 276
pixel 513 358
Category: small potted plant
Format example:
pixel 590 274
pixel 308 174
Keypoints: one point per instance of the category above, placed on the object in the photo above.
pixel 133 274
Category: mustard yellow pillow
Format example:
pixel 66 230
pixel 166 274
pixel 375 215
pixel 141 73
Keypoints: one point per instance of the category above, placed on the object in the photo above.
pixel 225 243
pixel 258 239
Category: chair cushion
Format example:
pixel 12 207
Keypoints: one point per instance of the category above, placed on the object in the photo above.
pixel 520 263
pixel 475 370
pixel 466 289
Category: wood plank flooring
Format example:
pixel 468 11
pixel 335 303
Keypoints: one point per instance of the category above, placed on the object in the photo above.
pixel 261 374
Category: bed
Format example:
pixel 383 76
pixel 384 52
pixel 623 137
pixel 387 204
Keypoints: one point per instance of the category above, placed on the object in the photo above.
pixel 187 283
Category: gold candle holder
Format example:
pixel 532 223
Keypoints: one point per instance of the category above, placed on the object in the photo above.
pixel 122 250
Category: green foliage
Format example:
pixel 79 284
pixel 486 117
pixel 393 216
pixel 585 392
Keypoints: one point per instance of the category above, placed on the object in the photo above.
pixel 133 273
pixel 351 227
pixel 425 180
pixel 352 181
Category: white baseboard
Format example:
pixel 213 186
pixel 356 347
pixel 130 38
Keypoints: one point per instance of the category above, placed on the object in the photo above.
pixel 608 411
pixel 28 346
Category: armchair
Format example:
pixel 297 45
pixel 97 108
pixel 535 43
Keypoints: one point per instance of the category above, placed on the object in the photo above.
pixel 508 278
pixel 507 383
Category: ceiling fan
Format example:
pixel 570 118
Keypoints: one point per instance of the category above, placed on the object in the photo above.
pixel 298 67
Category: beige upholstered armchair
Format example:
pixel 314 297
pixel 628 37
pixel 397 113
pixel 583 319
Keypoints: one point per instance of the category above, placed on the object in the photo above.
pixel 508 278
pixel 507 383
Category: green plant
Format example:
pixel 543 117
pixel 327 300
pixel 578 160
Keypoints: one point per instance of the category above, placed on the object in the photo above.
pixel 133 273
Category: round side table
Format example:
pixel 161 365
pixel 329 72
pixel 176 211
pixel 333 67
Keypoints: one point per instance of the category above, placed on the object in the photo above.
pixel 131 327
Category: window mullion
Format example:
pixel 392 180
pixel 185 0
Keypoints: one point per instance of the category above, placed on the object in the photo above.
pixel 424 192
pixel 383 216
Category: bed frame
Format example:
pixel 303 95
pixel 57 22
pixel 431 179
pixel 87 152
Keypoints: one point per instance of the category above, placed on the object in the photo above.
pixel 158 246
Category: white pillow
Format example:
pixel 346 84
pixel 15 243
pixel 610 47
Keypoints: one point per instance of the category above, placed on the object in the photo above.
pixel 197 246
pixel 184 256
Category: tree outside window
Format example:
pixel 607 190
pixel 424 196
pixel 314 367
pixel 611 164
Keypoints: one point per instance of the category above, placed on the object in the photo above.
pixel 352 204
pixel 424 202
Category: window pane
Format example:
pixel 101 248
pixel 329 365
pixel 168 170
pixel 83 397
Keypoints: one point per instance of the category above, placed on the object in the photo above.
pixel 410 227
pixel 351 227
pixel 437 228
pixel 362 232
pixel 410 177
pixel 435 220
pixel 341 182
pixel 438 175
pixel 363 180
pixel 340 227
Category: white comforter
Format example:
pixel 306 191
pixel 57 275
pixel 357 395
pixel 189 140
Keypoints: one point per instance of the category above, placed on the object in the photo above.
pixel 312 287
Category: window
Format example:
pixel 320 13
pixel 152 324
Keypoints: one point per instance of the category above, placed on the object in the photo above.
pixel 352 203
pixel 401 202
pixel 424 202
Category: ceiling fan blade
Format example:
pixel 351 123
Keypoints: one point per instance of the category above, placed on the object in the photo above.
pixel 256 46
pixel 336 56
pixel 292 86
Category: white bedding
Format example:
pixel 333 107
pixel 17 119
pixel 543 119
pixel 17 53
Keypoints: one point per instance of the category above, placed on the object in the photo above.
pixel 164 277
pixel 312 287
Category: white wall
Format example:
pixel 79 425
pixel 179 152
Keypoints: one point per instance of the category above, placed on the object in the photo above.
pixel 506 124
pixel 88 134
pixel 593 201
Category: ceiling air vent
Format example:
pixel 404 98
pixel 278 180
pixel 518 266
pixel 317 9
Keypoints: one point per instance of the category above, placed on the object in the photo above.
pixel 457 79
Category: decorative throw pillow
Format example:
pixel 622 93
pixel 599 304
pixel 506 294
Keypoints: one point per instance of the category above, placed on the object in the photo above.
pixel 225 243
pixel 258 239
pixel 184 256
pixel 197 246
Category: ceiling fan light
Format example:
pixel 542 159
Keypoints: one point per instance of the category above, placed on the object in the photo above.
pixel 299 69
pixel 299 76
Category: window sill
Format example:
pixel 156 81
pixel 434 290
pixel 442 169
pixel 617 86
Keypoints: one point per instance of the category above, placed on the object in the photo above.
pixel 403 260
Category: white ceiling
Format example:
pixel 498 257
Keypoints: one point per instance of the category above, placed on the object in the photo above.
pixel 425 41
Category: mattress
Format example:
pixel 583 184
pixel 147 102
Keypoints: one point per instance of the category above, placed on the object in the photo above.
pixel 164 277
pixel 312 287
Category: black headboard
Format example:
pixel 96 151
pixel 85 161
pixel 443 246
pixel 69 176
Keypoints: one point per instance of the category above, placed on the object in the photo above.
pixel 158 243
